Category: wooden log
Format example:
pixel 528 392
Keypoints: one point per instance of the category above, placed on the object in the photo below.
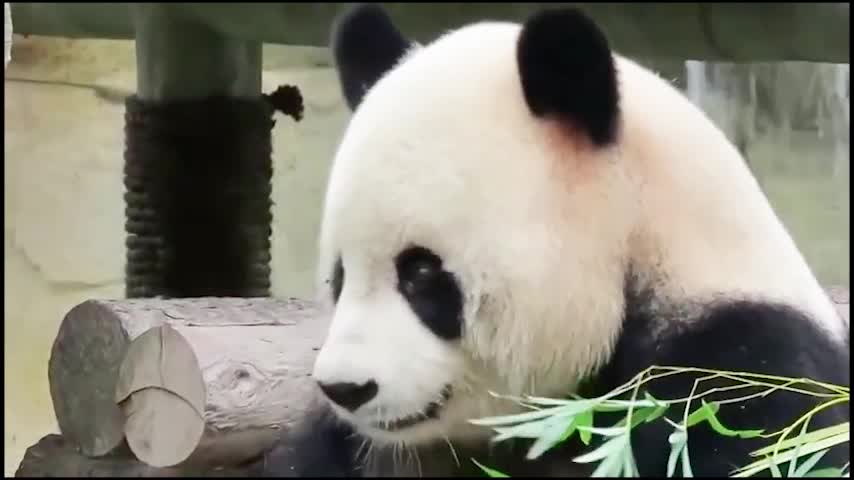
pixel 181 378
pixel 55 456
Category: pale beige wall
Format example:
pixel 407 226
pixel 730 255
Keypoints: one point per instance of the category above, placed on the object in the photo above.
pixel 63 236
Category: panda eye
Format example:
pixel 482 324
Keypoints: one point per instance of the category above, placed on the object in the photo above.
pixel 432 292
pixel 416 268
pixel 418 277
pixel 424 270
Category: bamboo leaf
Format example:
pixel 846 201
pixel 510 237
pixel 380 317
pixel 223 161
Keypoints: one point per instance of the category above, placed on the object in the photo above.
pixel 604 431
pixel 489 471
pixel 811 437
pixel 523 417
pixel 794 462
pixel 760 465
pixel 678 439
pixel 630 468
pixel 523 430
pixel 550 437
pixel 719 428
pixel 584 419
pixel 701 414
pixel 826 473
pixel 609 468
pixel 809 463
pixel 686 462
pixel 612 445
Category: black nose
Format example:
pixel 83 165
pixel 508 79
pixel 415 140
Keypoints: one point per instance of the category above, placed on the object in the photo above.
pixel 350 395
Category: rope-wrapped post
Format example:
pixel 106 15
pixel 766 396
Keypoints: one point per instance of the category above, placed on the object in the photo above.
pixel 198 163
pixel 198 199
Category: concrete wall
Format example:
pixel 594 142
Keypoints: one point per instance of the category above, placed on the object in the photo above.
pixel 63 236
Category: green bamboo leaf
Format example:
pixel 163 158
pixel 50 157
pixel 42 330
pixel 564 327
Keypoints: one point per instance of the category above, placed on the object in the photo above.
pixel 609 468
pixel 630 468
pixel 604 431
pixel 809 463
pixel 719 428
pixel 775 469
pixel 647 414
pixel 760 465
pixel 678 439
pixel 686 462
pixel 585 419
pixel 811 437
pixel 794 462
pixel 657 412
pixel 826 473
pixel 607 448
pixel 524 430
pixel 489 471
pixel 550 437
pixel 649 398
pixel 612 465
pixel 523 417
pixel 622 405
pixel 702 414
pixel 569 430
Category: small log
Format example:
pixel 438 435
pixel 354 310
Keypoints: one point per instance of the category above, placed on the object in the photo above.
pixel 181 379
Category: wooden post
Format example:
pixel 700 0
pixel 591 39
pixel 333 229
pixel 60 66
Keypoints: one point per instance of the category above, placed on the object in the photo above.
pixel 178 59
pixel 198 163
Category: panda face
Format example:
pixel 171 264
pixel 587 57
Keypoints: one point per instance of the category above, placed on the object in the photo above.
pixel 417 317
pixel 460 210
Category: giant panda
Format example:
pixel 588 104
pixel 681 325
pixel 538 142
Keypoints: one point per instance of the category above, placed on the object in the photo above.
pixel 517 209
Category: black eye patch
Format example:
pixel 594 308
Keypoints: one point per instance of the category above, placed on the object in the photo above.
pixel 432 292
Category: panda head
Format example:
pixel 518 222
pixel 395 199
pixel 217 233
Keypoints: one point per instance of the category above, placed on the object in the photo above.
pixel 475 223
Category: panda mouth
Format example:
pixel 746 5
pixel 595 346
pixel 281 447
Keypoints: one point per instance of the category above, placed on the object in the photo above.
pixel 431 412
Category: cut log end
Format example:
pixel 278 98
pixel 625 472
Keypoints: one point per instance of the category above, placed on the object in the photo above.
pixel 162 396
pixel 162 428
pixel 85 358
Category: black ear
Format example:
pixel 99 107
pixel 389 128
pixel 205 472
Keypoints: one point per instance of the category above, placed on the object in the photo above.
pixel 567 72
pixel 365 44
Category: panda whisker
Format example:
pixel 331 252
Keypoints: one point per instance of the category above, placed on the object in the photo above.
pixel 365 442
pixel 414 454
pixel 397 454
pixel 453 450
pixel 410 454
pixel 358 458
pixel 368 456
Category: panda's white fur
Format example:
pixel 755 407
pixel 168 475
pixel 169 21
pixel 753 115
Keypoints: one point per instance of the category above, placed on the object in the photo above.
pixel 538 225
pixel 442 151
